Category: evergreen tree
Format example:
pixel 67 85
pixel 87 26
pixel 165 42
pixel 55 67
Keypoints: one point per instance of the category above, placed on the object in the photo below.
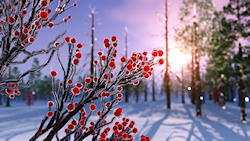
pixel 238 12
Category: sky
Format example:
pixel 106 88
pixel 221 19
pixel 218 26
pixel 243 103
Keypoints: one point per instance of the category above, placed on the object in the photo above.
pixel 144 20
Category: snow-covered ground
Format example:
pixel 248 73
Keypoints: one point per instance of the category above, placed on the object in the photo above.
pixel 20 122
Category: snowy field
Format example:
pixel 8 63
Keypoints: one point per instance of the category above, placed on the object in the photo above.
pixel 20 122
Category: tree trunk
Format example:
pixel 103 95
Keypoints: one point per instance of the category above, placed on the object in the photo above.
pixel 153 86
pixel 136 94
pixel 8 99
pixel 145 90
pixel 166 77
pixel 182 86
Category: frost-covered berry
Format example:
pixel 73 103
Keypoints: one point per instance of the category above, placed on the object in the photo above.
pixel 79 45
pixel 111 64
pixel 113 38
pixel 43 14
pixel 118 112
pixel 92 107
pixel 67 39
pixel 123 59
pixel 50 25
pixel 50 103
pixel 79 85
pixel 75 91
pixel 154 54
pixel 70 82
pixel 8 91
pixel 88 80
pixel 53 73
pixel 161 61
pixel 75 61
pixel 78 55
pixel 49 114
pixel 11 96
pixel 106 41
pixel 44 3
pixel 73 40
pixel 160 53
pixel 129 66
pixel 70 107
pixel 146 68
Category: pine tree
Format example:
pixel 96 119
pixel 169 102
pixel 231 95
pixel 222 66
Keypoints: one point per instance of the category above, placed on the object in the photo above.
pixel 238 12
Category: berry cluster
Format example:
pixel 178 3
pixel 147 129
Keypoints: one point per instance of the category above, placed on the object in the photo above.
pixel 104 84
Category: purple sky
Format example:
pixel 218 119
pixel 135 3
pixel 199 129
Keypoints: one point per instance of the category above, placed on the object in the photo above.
pixel 141 17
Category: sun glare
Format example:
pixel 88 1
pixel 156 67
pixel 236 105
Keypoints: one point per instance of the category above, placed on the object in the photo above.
pixel 178 58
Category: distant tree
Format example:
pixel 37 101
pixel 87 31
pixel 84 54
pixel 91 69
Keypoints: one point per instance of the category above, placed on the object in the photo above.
pixel 195 17
pixel 238 12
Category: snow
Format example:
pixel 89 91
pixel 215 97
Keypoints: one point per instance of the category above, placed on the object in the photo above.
pixel 19 122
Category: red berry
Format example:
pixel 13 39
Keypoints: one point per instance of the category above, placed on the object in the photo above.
pixel 50 25
pixel 67 39
pixel 73 40
pixel 111 64
pixel 79 45
pixel 115 44
pixel 49 10
pixel 107 45
pixel 17 92
pixel 136 83
pixel 69 16
pixel 24 12
pixel 71 126
pixel 92 107
pixel 70 82
pixel 135 130
pixel 53 73
pixel 146 68
pixel 103 57
pixel 74 4
pixel 118 112
pixel 129 66
pixel 70 107
pixel 76 61
pixel 75 91
pixel 119 95
pixel 8 91
pixel 78 55
pixel 113 38
pixel 44 3
pixel 11 20
pixel 60 84
pixel 16 33
pixel 49 114
pixel 123 59
pixel 11 96
pixel 50 103
pixel 106 41
pixel 65 20
pixel 161 61
pixel 99 53
pixel 154 54
pixel 74 122
pixel 31 39
pixel 103 135
pixel 24 37
pixel 79 85
pixel 25 30
pixel 88 80
pixel 119 88
pixel 160 52
pixel 107 104
pixel 44 14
